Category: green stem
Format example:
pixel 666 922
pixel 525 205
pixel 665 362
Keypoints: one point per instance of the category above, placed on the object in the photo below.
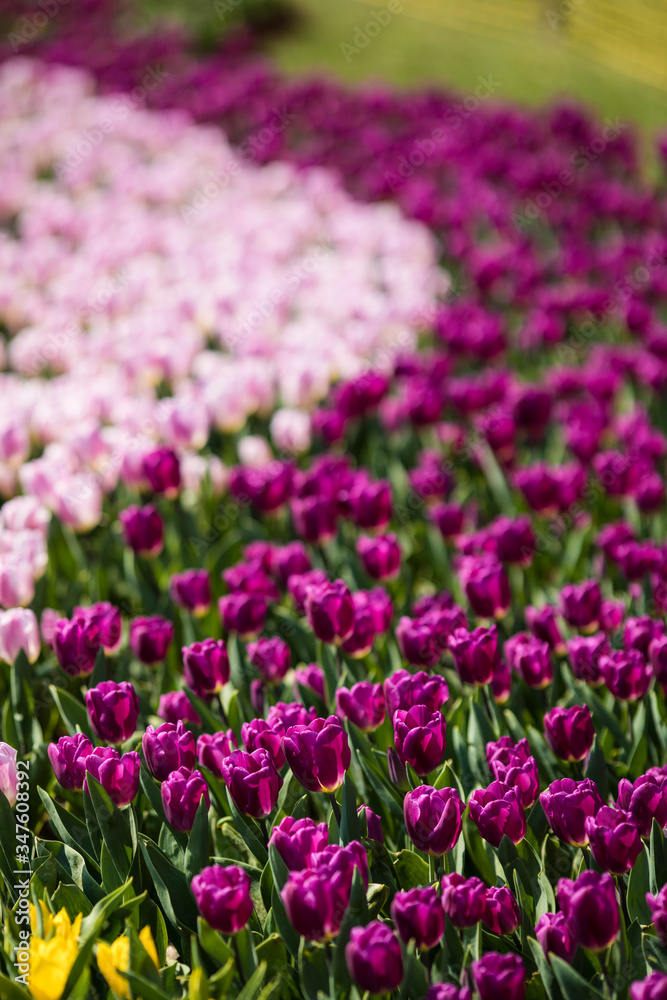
pixel 335 807
pixel 447 863
pixel 431 868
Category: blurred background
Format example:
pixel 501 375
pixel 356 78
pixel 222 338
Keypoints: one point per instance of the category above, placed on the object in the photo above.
pixel 610 54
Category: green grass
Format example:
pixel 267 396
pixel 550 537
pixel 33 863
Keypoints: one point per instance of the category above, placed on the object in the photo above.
pixel 532 67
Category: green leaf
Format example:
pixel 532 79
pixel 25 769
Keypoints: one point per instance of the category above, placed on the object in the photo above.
pixel 70 830
pixel 72 712
pixel 253 987
pixel 280 874
pixel 655 953
pixel 658 868
pixel 313 972
pixel 90 929
pixel 252 839
pixel 245 949
pixel 355 915
pixel 411 870
pixel 171 887
pixel 349 828
pixel 638 885
pixel 272 951
pixel 197 851
pixel 114 827
pixel 12 991
pixel 573 986
pixel 545 970
pixel 212 942
pixel 596 769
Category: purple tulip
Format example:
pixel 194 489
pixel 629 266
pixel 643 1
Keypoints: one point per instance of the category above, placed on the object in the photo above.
pixel 639 633
pixel 205 667
pixel 486 586
pixel 252 578
pixel 223 897
pixel 271 657
pixel 658 907
pixel 330 611
pixel 259 735
pixel 150 638
pixel 76 644
pixel 315 518
pixel 242 613
pixel 318 754
pixel 283 715
pixel 463 899
pixel 299 584
pixel 591 909
pixel 191 590
pixel 645 801
pixel 569 731
pixel 501 910
pixel 614 839
pixel 584 652
pixel 475 654
pixel 296 840
pixel 543 625
pixel 419 916
pixel 657 653
pixel 626 674
pixel 371 825
pixel 447 991
pixel 252 780
pixel 213 748
pixel 175 706
pixel 380 557
pixel 68 760
pixel 497 811
pixel 501 682
pixel 416 639
pixel 567 804
pixel 512 764
pixel 553 933
pixel 108 621
pixel 311 676
pixel 113 710
pixel 363 704
pixel 581 605
pixel 370 504
pixel 167 748
pixel 143 530
pixel 374 959
pixel 267 487
pixel 316 898
pixel 499 977
pixel 433 818
pixel 420 738
pixel 515 540
pixel 360 642
pixel 163 472
pixel 531 658
pixel 654 987
pixel 182 792
pixel 378 603
pixel 118 775
pixel 405 690
pixel 289 559
pixel 448 518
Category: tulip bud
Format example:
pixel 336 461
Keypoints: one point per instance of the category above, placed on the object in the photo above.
pixel 645 801
pixel 486 586
pixel 113 710
pixel 167 748
pixel 475 654
pixel 567 804
pixel 8 773
pixel 627 675
pixel 463 900
pixel 318 754
pixel 118 774
pixel 316 898
pixel 150 638
pixel 310 676
pixel 381 556
pixel 205 667
pixel 271 657
pixel 182 792
pixel 19 631
pixel 416 639
pixel 584 652
pixel 501 911
pixel 252 780
pixel 658 907
pixel 296 840
pixel 654 987
pixel 374 959
pixel 223 897
pixel 433 818
pixel 68 760
pixel 499 977
pixel 531 658
pixel 419 736
pixel 404 690
pixel 371 825
pixel 569 731
pixel 614 839
pixel 76 644
pixel 242 613
pixel 363 704
pixel 289 559
pixel 162 470
pixel 512 764
pixel 174 706
pixel 553 933
pixel 360 642
pixel 315 518
pixel 143 530
pixel 419 916
pixel 268 487
pixel 107 619
pixel 448 518
pixel 330 611
pixel 581 605
pixel 213 748
pixel 543 625
pixel 497 811
pixel 447 991
pixel 259 735
pixel 191 590
pixel 591 909
pixel 370 504
pixel 298 585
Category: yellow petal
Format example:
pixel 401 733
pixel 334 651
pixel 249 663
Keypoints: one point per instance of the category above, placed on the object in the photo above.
pixel 50 965
pixel 146 939
pixel 112 959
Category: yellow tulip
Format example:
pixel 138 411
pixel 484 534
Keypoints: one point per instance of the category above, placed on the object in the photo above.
pixel 112 959
pixel 52 954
